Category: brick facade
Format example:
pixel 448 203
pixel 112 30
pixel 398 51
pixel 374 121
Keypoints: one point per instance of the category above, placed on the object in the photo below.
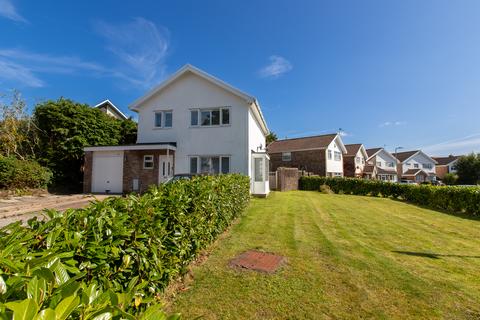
pixel 349 166
pixel 310 160
pixel 132 169
pixel 87 172
pixel 441 171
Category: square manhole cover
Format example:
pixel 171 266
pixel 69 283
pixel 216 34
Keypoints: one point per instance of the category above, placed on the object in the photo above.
pixel 258 261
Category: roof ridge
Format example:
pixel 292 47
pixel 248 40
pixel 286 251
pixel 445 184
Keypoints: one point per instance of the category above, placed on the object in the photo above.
pixel 316 136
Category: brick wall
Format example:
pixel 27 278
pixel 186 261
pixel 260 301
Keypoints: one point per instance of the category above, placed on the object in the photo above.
pixel 133 169
pixel 87 172
pixel 349 166
pixel 441 171
pixel 311 160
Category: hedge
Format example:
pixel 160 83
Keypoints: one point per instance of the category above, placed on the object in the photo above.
pixel 22 174
pixel 449 198
pixel 130 248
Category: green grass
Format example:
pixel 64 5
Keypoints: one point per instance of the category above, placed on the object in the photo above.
pixel 342 262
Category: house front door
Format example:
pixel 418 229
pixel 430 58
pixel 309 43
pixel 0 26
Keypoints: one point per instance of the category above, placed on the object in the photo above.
pixel 165 169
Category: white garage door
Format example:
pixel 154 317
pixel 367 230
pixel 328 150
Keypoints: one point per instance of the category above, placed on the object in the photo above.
pixel 107 172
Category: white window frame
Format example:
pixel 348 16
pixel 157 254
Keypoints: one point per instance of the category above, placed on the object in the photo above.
pixel 416 166
pixel 379 163
pixel 389 164
pixel 220 163
pixel 150 160
pixel 357 160
pixel 220 123
pixel 337 156
pixel 286 156
pixel 163 120
pixel 329 154
pixel 427 166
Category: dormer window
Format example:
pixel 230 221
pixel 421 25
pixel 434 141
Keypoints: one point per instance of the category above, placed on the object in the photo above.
pixel 210 117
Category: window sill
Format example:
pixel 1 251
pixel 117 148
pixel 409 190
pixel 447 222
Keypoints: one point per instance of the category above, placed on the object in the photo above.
pixel 162 128
pixel 214 126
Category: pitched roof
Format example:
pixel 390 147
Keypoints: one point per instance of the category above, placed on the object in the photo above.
pixel 252 101
pixel 386 171
pixel 368 168
pixel 352 149
pixel 305 143
pixel 110 104
pixel 443 161
pixel 413 172
pixel 372 151
pixel 402 156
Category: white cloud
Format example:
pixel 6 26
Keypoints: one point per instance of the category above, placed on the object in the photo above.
pixel 278 66
pixel 392 123
pixel 463 145
pixel 140 46
pixel 25 68
pixel 7 10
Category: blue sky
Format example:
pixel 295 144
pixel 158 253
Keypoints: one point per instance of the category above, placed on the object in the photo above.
pixel 394 73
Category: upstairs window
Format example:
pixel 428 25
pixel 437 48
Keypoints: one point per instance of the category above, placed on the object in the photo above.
pixel 286 156
pixel 329 154
pixel 389 164
pixel 415 165
pixel 427 166
pixel 357 159
pixel 163 119
pixel 337 155
pixel 379 163
pixel 210 117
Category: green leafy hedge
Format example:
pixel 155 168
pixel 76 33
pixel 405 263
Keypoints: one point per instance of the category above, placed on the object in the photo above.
pixel 128 249
pixel 448 198
pixel 22 174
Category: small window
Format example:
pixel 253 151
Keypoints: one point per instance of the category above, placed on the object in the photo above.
pixel 427 166
pixel 168 119
pixel 225 116
pixel 357 159
pixel 338 156
pixel 148 162
pixel 206 118
pixel 215 117
pixel 158 119
pixel 329 154
pixel 415 165
pixel 379 163
pixel 194 117
pixel 389 164
pixel 286 156
pixel 258 162
pixel 225 165
pixel 193 165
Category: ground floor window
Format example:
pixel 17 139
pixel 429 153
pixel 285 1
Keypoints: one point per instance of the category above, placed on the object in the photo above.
pixel 209 164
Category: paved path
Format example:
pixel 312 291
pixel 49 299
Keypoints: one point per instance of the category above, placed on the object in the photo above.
pixel 26 207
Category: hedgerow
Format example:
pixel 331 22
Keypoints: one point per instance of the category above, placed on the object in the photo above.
pixel 21 174
pixel 116 256
pixel 448 198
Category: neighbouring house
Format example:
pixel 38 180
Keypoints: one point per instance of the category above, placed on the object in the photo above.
pixel 354 160
pixel 381 165
pixel 322 155
pixel 190 123
pixel 416 166
pixel 445 165
pixel 109 108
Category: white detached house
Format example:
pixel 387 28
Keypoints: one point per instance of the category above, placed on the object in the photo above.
pixel 191 123
pixel 416 166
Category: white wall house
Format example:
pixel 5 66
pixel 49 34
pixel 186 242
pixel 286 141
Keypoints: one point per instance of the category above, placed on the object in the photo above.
pixel 385 164
pixel 416 165
pixel 214 127
pixel 354 160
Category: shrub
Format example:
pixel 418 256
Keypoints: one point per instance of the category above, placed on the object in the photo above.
pixel 21 174
pixel 448 198
pixel 450 179
pixel 325 189
pixel 129 247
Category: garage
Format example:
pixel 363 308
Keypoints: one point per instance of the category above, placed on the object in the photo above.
pixel 107 172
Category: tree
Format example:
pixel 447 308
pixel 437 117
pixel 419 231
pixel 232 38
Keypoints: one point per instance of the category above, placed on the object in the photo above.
pixel 468 169
pixel 66 127
pixel 271 137
pixel 450 179
pixel 18 136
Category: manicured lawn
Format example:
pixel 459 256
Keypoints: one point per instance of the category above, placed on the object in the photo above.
pixel 348 257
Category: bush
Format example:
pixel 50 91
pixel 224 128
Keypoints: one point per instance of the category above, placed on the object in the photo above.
pixel 22 174
pixel 448 198
pixel 450 179
pixel 129 247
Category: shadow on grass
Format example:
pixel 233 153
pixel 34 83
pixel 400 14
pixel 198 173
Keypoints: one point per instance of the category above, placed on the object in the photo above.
pixel 433 255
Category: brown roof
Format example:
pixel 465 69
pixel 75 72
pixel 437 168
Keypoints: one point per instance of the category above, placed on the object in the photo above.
pixel 413 172
pixel 443 161
pixel 402 156
pixel 352 149
pixel 383 171
pixel 368 168
pixel 372 151
pixel 315 142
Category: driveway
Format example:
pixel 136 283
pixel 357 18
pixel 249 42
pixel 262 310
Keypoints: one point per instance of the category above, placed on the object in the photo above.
pixel 26 207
